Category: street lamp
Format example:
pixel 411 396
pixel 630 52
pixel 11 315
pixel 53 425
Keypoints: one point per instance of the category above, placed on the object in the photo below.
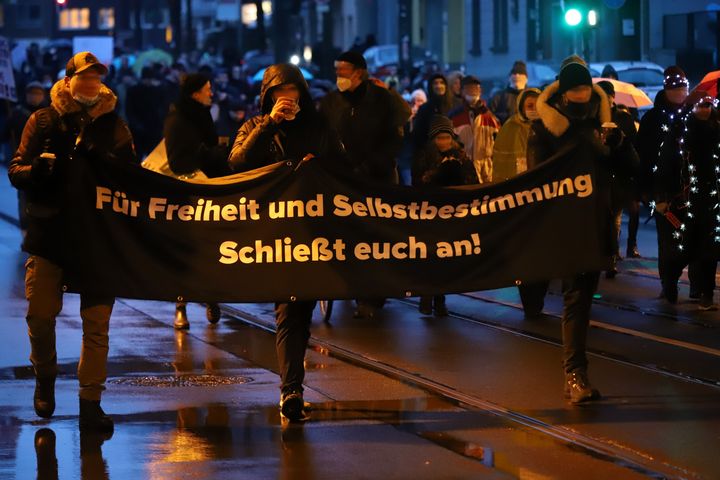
pixel 592 18
pixel 60 3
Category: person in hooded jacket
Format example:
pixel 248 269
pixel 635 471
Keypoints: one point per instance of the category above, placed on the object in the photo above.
pixel 288 127
pixel 192 144
pixel 79 123
pixel 440 102
pixel 504 103
pixel 571 112
pixel 662 130
pixel 510 149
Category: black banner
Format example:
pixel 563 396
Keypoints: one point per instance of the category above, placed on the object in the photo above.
pixel 283 233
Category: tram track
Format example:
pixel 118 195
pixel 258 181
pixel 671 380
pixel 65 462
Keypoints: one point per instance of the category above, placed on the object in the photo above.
pixel 605 449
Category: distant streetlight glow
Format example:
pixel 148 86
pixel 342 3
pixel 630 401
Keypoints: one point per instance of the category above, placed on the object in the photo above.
pixel 295 60
pixel 307 54
pixel 573 17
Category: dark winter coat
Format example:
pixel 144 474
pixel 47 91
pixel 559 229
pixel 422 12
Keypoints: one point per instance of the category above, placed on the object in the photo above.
pixel 366 122
pixel 260 141
pixel 624 160
pixel 191 140
pixel 436 105
pixel 556 132
pixel 145 110
pixel 443 169
pixel 658 144
pixel 55 129
pixel 504 104
pixel 16 123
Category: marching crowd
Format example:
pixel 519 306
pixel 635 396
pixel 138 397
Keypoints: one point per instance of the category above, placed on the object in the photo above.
pixel 444 135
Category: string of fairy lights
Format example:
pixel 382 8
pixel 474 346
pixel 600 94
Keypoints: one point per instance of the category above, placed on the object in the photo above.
pixel 688 176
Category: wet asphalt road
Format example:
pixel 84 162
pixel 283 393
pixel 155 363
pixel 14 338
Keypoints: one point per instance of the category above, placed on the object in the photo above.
pixel 475 395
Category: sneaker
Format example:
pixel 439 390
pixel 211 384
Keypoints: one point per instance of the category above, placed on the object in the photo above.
pixel 292 406
pixel 212 311
pixel 181 320
pixel 578 388
pixel 44 398
pixel 92 416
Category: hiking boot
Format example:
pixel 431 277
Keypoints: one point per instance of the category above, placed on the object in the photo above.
pixel 44 398
pixel 92 416
pixel 292 406
pixel 181 320
pixel 578 388
pixel 212 312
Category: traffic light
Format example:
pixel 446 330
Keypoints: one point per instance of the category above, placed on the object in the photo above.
pixel 580 15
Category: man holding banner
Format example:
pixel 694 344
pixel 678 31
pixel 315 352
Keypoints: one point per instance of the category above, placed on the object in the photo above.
pixel 571 111
pixel 80 124
pixel 289 128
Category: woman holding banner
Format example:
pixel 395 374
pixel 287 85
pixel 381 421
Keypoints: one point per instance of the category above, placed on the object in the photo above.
pixel 288 128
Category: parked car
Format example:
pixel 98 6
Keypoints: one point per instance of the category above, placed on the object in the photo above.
pixel 647 76
pixel 380 57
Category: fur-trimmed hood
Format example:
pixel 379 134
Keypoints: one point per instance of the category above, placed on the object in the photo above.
pixel 64 104
pixel 555 121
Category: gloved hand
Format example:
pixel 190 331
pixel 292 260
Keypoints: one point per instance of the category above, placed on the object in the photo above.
pixel 661 207
pixel 42 165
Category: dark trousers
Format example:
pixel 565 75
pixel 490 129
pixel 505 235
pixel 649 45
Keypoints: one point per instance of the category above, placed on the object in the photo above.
pixel 293 332
pixel 670 260
pixel 578 293
pixel 44 293
pixel 633 211
pixel 702 277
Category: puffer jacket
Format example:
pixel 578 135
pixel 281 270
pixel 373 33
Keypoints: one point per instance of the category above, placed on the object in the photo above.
pixel 68 130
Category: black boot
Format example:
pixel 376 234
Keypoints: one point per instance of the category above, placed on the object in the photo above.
pixel 213 312
pixel 439 306
pixel 426 307
pixel 181 320
pixel 47 465
pixel 632 252
pixel 92 416
pixel 44 399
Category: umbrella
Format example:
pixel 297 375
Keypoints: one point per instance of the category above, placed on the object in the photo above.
pixel 627 94
pixel 257 78
pixel 707 86
pixel 149 57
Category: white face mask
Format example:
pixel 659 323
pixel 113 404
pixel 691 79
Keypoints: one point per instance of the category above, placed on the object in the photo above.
pixel 343 83
pixel 532 114
pixel 87 101
pixel 472 99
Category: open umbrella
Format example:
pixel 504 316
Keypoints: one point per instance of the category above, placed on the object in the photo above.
pixel 708 85
pixel 257 78
pixel 627 94
pixel 150 57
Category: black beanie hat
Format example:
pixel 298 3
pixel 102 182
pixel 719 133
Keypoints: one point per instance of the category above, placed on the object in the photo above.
pixel 519 68
pixel 674 78
pixel 354 58
pixel 607 87
pixel 470 80
pixel 574 75
pixel 192 82
pixel 440 124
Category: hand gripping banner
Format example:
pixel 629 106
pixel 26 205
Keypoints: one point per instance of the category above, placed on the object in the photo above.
pixel 283 233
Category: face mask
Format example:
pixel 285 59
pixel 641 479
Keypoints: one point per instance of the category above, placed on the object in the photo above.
pixel 578 110
pixel 343 83
pixel 87 101
pixel 532 115
pixel 472 99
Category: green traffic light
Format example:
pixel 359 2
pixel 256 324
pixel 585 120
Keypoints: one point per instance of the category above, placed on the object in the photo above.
pixel 592 18
pixel 573 17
